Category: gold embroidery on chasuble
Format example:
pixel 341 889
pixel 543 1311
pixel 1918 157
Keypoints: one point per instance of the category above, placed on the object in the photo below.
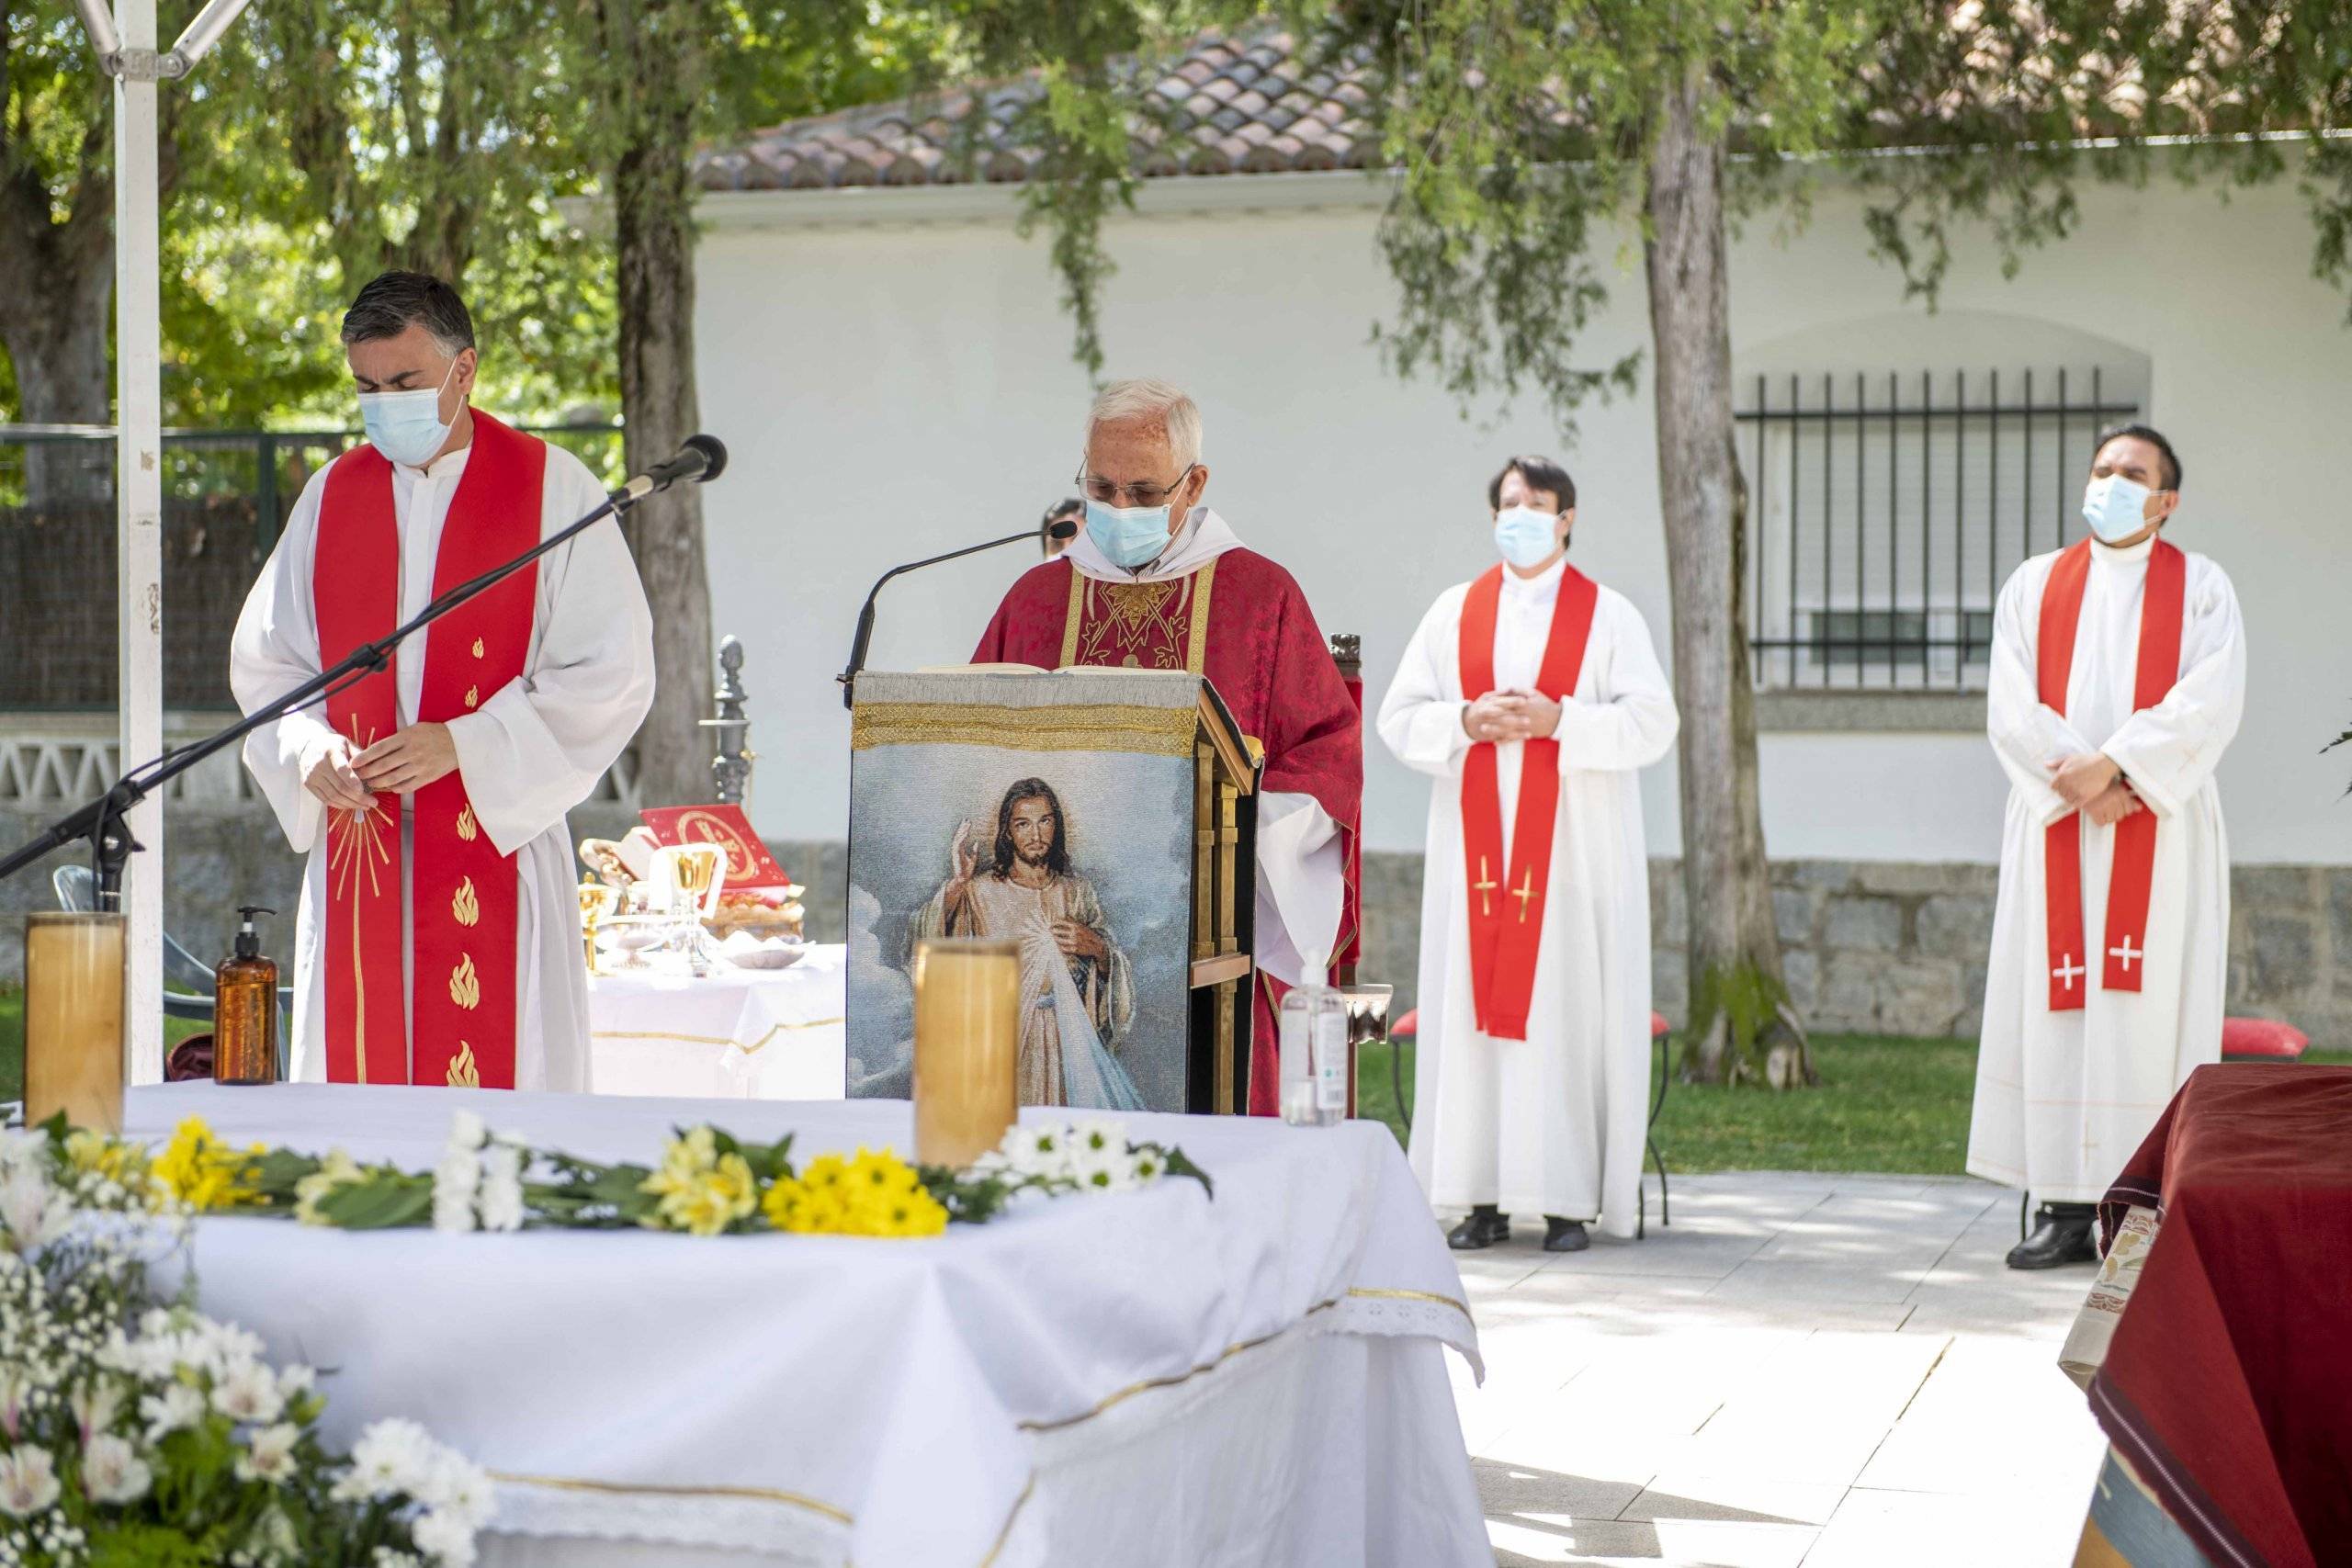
pixel 1139 626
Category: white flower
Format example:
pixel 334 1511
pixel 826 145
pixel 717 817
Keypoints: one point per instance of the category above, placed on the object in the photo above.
pixel 177 1407
pixel 271 1457
pixel 248 1392
pixel 443 1538
pixel 294 1379
pixel 95 1403
pixel 23 1148
pixel 27 1483
pixel 387 1558
pixel 392 1455
pixel 467 1130
pixel 457 1487
pixel 34 1212
pixel 112 1471
pixel 1102 1169
pixel 16 1390
pixel 1098 1138
pixel 501 1188
pixel 1146 1166
pixel 456 1180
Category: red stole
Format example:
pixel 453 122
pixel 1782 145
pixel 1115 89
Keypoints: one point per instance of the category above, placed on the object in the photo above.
pixel 464 1010
pixel 1503 941
pixel 2161 603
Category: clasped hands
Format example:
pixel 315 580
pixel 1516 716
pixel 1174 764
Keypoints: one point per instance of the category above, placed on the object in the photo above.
pixel 1511 715
pixel 2093 784
pixel 348 778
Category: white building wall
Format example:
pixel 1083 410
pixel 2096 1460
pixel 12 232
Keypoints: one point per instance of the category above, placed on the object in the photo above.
pixel 892 389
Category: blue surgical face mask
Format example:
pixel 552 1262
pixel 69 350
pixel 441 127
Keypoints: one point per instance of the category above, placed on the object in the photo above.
pixel 1525 536
pixel 2115 508
pixel 407 427
pixel 1133 536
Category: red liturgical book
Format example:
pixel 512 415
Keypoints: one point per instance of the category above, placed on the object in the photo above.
pixel 749 865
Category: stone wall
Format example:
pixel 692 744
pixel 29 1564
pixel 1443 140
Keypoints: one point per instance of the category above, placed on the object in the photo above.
pixel 1877 947
pixel 1895 948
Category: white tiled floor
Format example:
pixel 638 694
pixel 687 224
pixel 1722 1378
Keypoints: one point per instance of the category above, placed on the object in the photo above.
pixel 1801 1371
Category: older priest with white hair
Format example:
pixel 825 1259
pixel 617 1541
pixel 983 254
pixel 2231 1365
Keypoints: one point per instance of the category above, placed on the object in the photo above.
pixel 439 935
pixel 1156 580
pixel 2117 678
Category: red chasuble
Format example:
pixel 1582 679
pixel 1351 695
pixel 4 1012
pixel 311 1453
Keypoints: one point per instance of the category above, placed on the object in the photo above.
pixel 1241 621
pixel 2161 603
pixel 467 894
pixel 1507 916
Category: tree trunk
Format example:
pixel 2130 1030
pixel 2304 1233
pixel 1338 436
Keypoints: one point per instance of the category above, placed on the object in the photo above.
pixel 655 234
pixel 55 331
pixel 1738 1012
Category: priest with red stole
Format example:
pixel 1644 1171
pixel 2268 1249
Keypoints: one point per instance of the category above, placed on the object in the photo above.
pixel 1156 580
pixel 438 941
pixel 2117 678
pixel 1531 698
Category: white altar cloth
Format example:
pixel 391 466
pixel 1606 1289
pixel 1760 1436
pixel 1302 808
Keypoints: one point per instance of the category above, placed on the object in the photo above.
pixel 1088 1381
pixel 734 1034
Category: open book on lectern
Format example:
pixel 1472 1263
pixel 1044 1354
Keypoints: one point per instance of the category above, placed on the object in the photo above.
pixel 1100 819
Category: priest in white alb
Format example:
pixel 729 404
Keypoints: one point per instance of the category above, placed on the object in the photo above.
pixel 2117 678
pixel 439 935
pixel 1533 696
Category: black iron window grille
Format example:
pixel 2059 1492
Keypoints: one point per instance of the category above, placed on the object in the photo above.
pixel 1886 510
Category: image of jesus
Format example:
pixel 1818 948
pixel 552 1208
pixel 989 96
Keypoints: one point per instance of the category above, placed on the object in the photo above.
pixel 1077 998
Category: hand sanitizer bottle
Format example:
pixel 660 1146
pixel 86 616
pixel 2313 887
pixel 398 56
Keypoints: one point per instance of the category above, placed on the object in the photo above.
pixel 244 1009
pixel 1313 1031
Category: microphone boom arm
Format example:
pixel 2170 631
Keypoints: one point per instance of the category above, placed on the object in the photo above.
pixel 848 677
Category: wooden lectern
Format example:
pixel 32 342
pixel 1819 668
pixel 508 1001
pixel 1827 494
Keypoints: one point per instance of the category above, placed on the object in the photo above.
pixel 1101 816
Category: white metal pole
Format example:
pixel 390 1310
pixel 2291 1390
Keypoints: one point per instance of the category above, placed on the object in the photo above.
pixel 138 490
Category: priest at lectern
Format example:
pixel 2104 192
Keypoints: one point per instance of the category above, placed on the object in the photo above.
pixel 1158 582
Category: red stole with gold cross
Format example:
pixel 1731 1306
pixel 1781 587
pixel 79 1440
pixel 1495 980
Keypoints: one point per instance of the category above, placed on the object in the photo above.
pixel 2161 604
pixel 1504 940
pixel 467 897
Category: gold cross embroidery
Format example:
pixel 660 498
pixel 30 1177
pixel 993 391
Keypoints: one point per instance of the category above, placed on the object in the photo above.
pixel 1484 888
pixel 1524 893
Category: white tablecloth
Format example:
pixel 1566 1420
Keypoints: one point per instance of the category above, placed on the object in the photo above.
pixel 1134 1379
pixel 737 1035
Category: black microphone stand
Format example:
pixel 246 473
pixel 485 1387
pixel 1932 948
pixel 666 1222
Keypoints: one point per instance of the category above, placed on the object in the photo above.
pixel 848 677
pixel 103 821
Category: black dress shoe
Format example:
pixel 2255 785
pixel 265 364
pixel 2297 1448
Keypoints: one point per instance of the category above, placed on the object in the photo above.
pixel 1485 1227
pixel 2062 1235
pixel 1564 1235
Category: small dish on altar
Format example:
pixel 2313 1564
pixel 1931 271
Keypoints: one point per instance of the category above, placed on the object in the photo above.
pixel 747 951
pixel 630 935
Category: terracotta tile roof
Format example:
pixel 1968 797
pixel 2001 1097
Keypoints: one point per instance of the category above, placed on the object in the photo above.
pixel 1252 104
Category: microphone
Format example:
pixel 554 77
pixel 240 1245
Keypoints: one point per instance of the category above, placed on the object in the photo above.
pixel 701 459
pixel 848 677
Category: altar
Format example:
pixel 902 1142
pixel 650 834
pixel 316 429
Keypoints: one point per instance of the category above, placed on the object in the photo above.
pixel 731 1034
pixel 1153 1377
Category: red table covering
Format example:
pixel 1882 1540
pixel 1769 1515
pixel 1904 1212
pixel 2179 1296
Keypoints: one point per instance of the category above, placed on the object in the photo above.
pixel 2229 1383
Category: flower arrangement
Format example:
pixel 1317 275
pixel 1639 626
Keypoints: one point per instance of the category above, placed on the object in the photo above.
pixel 708 1183
pixel 138 1431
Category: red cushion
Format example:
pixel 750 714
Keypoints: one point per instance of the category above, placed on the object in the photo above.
pixel 1659 1028
pixel 2262 1040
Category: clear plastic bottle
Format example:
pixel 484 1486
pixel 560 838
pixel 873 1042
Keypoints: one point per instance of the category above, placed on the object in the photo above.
pixel 1314 1056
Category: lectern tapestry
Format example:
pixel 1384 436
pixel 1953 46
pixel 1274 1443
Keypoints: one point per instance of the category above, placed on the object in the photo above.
pixel 979 809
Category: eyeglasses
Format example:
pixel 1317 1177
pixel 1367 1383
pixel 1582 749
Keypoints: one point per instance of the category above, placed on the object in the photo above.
pixel 1100 489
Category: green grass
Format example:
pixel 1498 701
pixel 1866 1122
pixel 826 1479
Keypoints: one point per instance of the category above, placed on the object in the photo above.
pixel 12 1038
pixel 1883 1104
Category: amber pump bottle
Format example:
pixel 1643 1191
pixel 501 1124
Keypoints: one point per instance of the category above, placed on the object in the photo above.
pixel 244 1009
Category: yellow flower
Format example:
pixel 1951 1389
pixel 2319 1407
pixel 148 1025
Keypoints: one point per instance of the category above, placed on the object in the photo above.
pixel 339 1170
pixel 122 1162
pixel 204 1173
pixel 873 1194
pixel 702 1190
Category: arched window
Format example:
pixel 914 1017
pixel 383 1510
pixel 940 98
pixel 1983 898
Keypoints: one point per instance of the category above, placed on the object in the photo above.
pixel 1899 468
